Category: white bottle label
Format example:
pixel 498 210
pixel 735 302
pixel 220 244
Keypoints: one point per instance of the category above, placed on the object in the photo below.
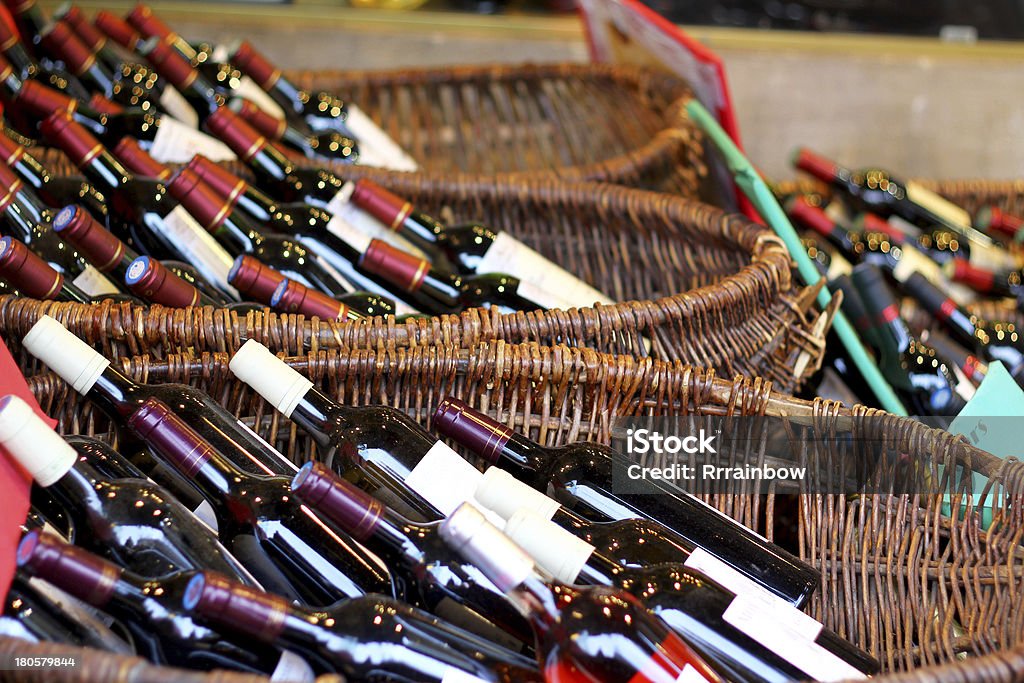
pixel 204 511
pixel 94 283
pixel 292 668
pixel 446 480
pixel 555 287
pixel 690 675
pixel 172 102
pixel 342 209
pixel 248 89
pixel 176 143
pixel 199 247
pixel 913 261
pixel 749 616
pixel 376 148
pixel 453 675
pixel 280 456
pixel 938 205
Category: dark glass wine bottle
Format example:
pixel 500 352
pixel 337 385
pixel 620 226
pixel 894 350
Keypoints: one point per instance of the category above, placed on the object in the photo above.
pixel 363 638
pixel 294 297
pixel 56 191
pixel 61 42
pixel 973 368
pixel 151 280
pixel 580 475
pixel 993 340
pixel 940 245
pixel 592 633
pixel 27 68
pixel 995 222
pixel 150 609
pixel 141 210
pixel 133 522
pixel 1006 283
pixel 106 51
pixel 438 581
pixel 923 380
pixel 146 22
pixel 118 396
pixel 33 277
pixel 327 143
pixel 321 565
pixel 742 637
pixel 239 236
pixel 378 448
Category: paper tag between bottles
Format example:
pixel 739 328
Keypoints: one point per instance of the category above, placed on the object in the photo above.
pixel 540 280
pixel 292 668
pixel 342 210
pixel 199 248
pixel 176 143
pixel 172 102
pixel 938 205
pixel 204 512
pixel 453 675
pixel 690 675
pixel 94 283
pixel 446 480
pixel 376 148
pixel 749 617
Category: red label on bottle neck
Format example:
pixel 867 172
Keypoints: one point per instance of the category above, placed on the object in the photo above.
pixel 976 278
pixel 947 309
pixel 116 29
pixel 249 610
pixel 26 271
pixel 265 123
pixel 388 208
pixel 232 130
pixel 354 510
pixel 100 245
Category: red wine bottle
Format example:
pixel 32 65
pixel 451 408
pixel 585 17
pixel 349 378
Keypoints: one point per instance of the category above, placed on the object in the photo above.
pixel 27 68
pixel 142 19
pixel 151 280
pixel 327 143
pixel 240 236
pixel 106 51
pixel 135 523
pixel 994 340
pixel 150 609
pixel 924 381
pixel 28 220
pixel 61 42
pixel 592 633
pixel 439 582
pixel 294 297
pixel 580 475
pixel 1006 283
pixel 322 566
pixel 366 638
pixel 56 191
pixel 33 277
pixel 259 282
pixel 93 376
pixel 779 643
pixel 141 210
pixel 379 448
pixel 28 19
pixel 995 222
pixel 940 245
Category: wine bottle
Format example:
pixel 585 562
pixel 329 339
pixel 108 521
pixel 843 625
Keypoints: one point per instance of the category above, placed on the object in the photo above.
pixel 589 633
pixel 34 611
pixel 141 211
pixel 205 99
pixel 27 68
pixel 135 523
pixel 439 582
pixel 474 249
pixel 149 279
pixel 260 282
pixel 130 153
pixel 33 277
pixel 878 191
pixel 106 51
pixel 62 43
pixel 323 111
pixel 294 297
pixel 28 19
pixel 994 340
pixel 142 19
pixel 940 245
pixel 56 191
pixel 150 609
pixel 211 60
pixel 923 380
pixel 323 566
pixel 29 220
pixel 580 475
pixel 1007 283
pixel 93 376
pixel 365 638
pixel 995 222
pixel 326 143
pixel 239 236
pixel 381 449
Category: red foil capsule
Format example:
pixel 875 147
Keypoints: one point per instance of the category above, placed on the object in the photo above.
pixel 43 100
pixel 117 29
pixel 79 144
pixel 254 65
pixel 251 611
pixel 219 179
pixel 382 204
pixel 99 245
pixel 88 33
pixel 243 139
pixel 351 508
pixel 254 279
pixel 27 272
pixel 171 65
pixel 394 265
pixel 294 297
pixel 148 278
pixel 61 40
pixel 83 574
pixel 137 160
pixel 266 124
pixel 105 106
pixel 205 205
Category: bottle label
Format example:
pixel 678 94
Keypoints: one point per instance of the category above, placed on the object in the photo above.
pixel 343 210
pixel 446 480
pixel 199 248
pixel 176 143
pixel 938 205
pixel 247 88
pixel 749 616
pixel 94 283
pixel 913 261
pixel 292 668
pixel 453 675
pixel 172 102
pixel 540 279
pixel 690 675
pixel 204 511
pixel 376 148
pixel 288 464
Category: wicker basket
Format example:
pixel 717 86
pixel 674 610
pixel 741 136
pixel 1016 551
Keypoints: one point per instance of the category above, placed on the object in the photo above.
pixel 615 124
pixel 702 286
pixel 896 574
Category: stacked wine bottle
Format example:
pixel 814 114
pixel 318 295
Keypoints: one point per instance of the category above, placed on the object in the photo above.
pixel 156 218
pixel 900 253
pixel 389 556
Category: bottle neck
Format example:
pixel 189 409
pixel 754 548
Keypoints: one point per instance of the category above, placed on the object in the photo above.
pixel 318 416
pixel 115 393
pixel 959 321
pixel 106 171
pixel 495 442
pixel 18 56
pixel 266 617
